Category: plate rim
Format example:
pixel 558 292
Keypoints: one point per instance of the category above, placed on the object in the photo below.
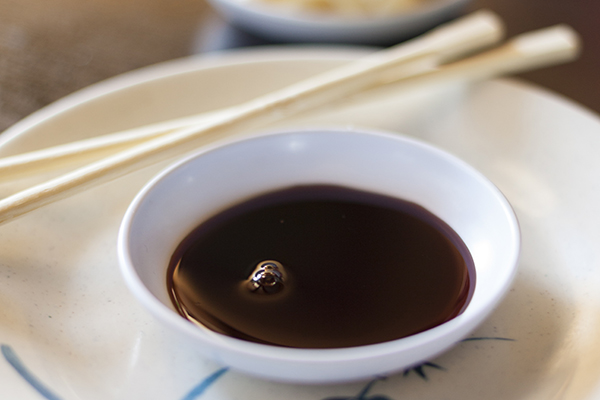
pixel 248 55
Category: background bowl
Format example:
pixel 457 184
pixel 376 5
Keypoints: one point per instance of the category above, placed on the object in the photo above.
pixel 180 198
pixel 281 25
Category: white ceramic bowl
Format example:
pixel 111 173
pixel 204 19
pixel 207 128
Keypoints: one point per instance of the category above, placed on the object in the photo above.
pixel 281 25
pixel 184 195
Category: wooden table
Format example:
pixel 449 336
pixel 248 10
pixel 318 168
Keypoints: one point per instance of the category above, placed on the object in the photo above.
pixel 50 48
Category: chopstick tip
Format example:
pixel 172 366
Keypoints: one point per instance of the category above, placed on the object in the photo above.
pixel 560 38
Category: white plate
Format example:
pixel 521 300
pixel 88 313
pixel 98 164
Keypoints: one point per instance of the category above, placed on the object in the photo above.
pixel 69 329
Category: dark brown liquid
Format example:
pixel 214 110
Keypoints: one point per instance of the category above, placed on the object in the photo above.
pixel 361 269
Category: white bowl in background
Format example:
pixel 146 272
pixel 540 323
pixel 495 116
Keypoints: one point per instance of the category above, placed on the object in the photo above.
pixel 184 195
pixel 281 25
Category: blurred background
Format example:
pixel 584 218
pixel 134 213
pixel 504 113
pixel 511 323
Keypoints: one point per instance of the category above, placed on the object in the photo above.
pixel 50 48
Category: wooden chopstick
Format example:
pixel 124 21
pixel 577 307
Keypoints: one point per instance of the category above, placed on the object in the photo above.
pixel 540 48
pixel 64 155
pixel 527 51
pixel 474 32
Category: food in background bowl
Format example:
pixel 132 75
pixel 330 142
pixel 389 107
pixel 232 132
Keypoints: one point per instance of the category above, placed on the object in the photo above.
pixel 348 7
pixel 373 22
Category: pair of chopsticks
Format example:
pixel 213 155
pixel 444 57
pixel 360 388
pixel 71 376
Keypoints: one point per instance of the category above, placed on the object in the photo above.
pixel 436 56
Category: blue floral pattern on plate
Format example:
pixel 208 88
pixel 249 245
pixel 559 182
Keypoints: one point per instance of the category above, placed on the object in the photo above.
pixel 198 391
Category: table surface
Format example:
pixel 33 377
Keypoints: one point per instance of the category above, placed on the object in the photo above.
pixel 50 48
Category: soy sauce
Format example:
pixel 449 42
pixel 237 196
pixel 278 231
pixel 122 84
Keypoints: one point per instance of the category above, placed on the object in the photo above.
pixel 360 268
